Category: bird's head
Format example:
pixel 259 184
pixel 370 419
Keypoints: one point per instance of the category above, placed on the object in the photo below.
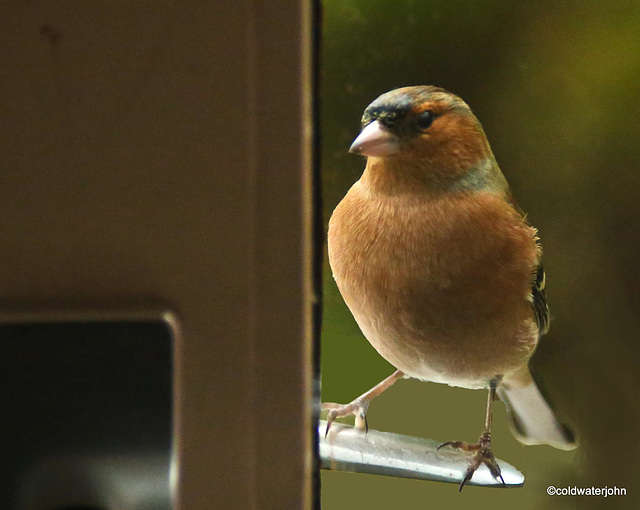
pixel 426 126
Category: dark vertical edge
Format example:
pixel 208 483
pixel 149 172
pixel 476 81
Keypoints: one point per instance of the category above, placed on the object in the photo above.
pixel 318 242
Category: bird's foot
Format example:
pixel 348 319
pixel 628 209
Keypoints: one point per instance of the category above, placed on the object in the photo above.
pixel 357 407
pixel 482 454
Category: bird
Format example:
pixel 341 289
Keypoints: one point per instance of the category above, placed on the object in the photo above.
pixel 440 267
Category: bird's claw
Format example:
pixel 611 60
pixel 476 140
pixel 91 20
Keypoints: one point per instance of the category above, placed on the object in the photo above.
pixel 482 454
pixel 358 408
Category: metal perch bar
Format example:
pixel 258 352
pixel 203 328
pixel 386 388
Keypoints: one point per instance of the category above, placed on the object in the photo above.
pixel 383 453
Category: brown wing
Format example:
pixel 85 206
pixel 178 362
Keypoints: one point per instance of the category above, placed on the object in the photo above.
pixel 540 306
pixel 539 296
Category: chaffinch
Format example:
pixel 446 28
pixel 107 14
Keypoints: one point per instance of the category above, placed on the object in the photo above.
pixel 439 267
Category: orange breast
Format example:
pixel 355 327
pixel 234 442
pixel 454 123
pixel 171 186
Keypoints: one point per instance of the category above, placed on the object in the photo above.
pixel 439 286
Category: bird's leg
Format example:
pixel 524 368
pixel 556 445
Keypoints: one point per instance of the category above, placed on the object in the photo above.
pixel 360 405
pixel 481 450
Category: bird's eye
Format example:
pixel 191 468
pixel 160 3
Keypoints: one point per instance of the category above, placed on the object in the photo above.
pixel 424 120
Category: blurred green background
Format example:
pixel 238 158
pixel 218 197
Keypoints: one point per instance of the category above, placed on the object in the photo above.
pixel 556 85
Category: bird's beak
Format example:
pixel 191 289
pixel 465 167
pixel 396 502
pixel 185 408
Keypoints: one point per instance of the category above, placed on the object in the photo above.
pixel 375 140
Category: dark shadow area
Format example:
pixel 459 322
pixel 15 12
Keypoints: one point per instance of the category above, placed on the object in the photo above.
pixel 86 415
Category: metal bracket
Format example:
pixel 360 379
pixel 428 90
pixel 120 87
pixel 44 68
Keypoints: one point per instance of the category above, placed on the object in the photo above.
pixel 384 453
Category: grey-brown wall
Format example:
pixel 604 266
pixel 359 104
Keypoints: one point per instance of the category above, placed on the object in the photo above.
pixel 155 156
